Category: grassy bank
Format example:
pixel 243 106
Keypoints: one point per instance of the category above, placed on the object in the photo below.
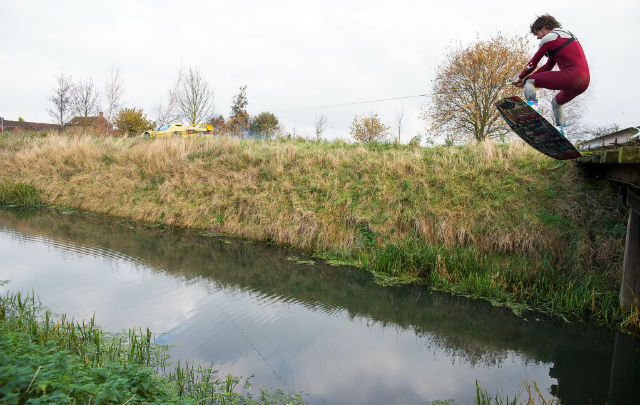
pixel 499 222
pixel 50 359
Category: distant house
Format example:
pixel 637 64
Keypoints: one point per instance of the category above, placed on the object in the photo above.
pixel 98 124
pixel 7 125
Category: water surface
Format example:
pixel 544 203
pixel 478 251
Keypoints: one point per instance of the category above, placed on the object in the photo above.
pixel 329 332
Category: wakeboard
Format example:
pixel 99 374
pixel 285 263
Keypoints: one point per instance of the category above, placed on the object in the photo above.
pixel 535 130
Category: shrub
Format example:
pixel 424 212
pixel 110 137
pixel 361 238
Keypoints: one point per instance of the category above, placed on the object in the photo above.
pixel 368 129
pixel 133 121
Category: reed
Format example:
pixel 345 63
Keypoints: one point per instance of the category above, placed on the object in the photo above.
pixel 530 388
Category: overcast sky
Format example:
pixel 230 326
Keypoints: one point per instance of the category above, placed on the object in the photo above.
pixel 296 54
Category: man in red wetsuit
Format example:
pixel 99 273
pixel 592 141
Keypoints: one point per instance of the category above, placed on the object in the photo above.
pixel 561 48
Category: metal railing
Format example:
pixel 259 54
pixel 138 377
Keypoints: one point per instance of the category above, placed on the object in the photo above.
pixel 615 139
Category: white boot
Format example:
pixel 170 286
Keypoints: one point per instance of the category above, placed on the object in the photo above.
pixel 530 95
pixel 558 113
pixel 530 90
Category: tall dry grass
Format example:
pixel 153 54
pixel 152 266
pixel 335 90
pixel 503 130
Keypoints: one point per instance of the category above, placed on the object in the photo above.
pixel 364 203
pixel 319 195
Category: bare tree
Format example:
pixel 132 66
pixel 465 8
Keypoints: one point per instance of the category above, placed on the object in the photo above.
pixel 601 130
pixel 113 91
pixel 85 98
pixel 169 112
pixel 61 100
pixel 399 118
pixel 160 114
pixel 195 98
pixel 321 123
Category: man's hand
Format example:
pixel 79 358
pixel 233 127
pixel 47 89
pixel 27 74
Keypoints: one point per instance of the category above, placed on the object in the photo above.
pixel 519 83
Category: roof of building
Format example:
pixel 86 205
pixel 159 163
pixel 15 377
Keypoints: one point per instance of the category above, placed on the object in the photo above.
pixel 97 121
pixel 25 125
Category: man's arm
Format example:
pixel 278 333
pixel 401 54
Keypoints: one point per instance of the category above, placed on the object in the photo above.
pixel 551 62
pixel 533 63
pixel 546 44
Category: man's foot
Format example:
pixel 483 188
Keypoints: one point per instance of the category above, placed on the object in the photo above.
pixel 534 104
pixel 562 129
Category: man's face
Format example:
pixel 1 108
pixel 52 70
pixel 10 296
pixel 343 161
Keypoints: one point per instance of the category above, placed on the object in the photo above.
pixel 541 33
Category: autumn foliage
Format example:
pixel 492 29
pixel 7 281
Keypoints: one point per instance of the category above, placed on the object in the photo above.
pixel 133 121
pixel 468 84
pixel 368 129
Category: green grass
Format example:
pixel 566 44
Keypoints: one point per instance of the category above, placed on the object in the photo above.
pixel 483 397
pixel 519 282
pixel 19 193
pixel 49 359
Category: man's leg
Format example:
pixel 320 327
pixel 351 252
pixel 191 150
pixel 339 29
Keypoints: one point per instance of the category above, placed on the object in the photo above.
pixel 559 117
pixel 558 113
pixel 569 85
pixel 530 90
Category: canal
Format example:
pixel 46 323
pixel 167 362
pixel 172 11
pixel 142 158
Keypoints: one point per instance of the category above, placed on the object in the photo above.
pixel 293 323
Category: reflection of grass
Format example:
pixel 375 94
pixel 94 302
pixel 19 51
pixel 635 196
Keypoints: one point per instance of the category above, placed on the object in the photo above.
pixel 48 359
pixel 554 239
pixel 298 260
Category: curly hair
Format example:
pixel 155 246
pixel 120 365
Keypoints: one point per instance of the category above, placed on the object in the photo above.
pixel 544 21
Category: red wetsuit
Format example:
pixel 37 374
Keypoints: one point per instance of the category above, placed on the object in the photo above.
pixel 573 77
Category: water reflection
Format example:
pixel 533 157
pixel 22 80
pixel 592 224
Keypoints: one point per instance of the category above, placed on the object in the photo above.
pixel 329 332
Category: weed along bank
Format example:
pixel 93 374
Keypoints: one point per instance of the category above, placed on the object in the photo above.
pixel 536 244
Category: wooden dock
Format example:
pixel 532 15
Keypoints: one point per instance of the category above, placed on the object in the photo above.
pixel 616 156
